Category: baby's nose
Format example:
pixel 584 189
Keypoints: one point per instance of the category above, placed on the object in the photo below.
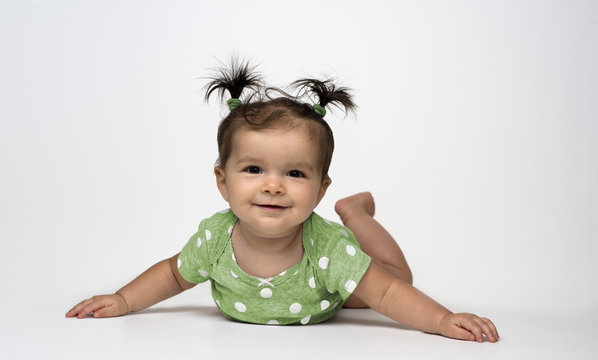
pixel 273 185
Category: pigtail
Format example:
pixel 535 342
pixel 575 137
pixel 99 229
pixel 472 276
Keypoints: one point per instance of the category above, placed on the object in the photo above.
pixel 323 93
pixel 234 79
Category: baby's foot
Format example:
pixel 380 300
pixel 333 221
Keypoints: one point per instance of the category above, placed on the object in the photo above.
pixel 355 205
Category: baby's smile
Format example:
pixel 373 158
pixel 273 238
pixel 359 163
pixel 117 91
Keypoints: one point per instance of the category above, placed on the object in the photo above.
pixel 272 207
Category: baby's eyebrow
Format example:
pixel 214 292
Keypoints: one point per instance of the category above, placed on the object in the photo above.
pixel 249 159
pixel 302 165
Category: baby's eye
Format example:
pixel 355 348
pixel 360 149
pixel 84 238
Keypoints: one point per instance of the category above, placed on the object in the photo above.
pixel 296 174
pixel 253 170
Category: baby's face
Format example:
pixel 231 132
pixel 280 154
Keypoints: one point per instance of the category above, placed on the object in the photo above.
pixel 272 180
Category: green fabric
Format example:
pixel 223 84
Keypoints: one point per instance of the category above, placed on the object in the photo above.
pixel 320 109
pixel 309 292
pixel 233 103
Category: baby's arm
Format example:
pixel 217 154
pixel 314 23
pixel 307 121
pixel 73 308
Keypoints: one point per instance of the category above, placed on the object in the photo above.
pixel 407 305
pixel 157 283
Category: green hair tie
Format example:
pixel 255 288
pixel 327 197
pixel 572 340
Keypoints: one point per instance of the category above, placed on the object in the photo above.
pixel 320 109
pixel 233 103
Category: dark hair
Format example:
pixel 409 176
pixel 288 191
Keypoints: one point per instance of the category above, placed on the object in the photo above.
pixel 261 110
pixel 234 79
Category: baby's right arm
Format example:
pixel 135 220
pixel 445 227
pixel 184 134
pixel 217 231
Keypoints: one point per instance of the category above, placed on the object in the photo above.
pixel 157 283
pixel 402 302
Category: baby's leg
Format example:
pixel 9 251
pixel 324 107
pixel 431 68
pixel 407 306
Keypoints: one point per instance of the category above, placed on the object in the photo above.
pixel 357 213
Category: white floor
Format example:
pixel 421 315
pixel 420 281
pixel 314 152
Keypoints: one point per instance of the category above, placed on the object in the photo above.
pixel 190 327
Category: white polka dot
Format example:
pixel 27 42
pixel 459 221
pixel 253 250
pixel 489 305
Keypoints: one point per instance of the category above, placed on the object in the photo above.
pixel 325 304
pixel 234 258
pixel 312 282
pixel 295 308
pixel 327 222
pixel 345 233
pixel 266 293
pixel 273 322
pixel 306 319
pixel 208 235
pixel 323 262
pixel 233 274
pixel 198 241
pixel 312 242
pixel 223 211
pixel 296 272
pixel 218 303
pixel 240 307
pixel 203 273
pixel 230 230
pixel 330 291
pixel 350 285
pixel 335 304
pixel 179 263
pixel 350 250
pixel 282 273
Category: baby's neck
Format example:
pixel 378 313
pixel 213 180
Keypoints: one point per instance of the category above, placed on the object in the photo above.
pixel 266 257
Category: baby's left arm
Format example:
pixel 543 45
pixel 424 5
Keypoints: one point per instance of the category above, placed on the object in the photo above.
pixel 407 305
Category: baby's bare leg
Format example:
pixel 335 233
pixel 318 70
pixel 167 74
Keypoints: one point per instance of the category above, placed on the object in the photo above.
pixel 357 213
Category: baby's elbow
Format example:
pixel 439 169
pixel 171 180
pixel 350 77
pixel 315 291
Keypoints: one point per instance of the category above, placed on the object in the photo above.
pixel 405 275
pixel 409 277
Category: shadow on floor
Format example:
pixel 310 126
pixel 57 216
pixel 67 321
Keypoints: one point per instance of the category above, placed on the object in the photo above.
pixel 203 311
pixel 362 317
pixel 366 317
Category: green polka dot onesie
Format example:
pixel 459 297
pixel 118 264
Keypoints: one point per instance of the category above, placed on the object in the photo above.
pixel 309 292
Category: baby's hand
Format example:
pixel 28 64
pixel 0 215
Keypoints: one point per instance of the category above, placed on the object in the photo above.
pixel 101 306
pixel 468 327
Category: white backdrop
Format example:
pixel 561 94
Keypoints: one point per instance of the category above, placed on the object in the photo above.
pixel 476 132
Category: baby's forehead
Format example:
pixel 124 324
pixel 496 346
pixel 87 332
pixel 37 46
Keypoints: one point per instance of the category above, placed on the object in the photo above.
pixel 287 130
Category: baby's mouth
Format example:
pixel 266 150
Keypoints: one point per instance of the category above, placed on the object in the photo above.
pixel 271 207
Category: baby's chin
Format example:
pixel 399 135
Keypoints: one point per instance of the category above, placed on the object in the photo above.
pixel 273 228
pixel 268 233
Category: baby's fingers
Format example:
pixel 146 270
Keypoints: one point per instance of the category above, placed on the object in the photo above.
pixel 476 329
pixel 480 327
pixel 89 306
pixel 493 333
pixel 460 333
pixel 83 308
pixel 469 327
pixel 77 308
pixel 100 306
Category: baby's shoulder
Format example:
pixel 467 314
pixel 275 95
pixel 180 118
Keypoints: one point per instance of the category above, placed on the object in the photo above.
pixel 215 231
pixel 320 234
pixel 224 219
pixel 317 224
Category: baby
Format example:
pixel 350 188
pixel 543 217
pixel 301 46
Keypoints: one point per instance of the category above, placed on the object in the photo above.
pixel 269 258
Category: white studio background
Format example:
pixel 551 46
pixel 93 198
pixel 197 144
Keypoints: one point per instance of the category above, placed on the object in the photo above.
pixel 477 133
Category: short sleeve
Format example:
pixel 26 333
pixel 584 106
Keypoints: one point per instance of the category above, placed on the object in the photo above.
pixel 193 262
pixel 342 264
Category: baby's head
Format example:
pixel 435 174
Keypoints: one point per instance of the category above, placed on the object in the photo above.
pixel 285 112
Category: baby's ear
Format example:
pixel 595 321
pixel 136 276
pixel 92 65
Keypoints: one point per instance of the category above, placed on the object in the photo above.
pixel 221 182
pixel 323 187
